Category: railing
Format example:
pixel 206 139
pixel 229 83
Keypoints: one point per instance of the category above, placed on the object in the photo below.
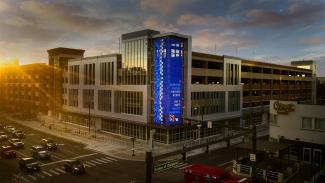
pixel 256 98
pixel 247 99
pixel 255 87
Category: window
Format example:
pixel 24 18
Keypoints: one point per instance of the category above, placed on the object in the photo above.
pixel 74 74
pixel 104 100
pixel 107 73
pixel 306 123
pixel 88 99
pixel 320 123
pixel 73 97
pixel 129 102
pixel 89 74
pixel 233 101
pixel 214 102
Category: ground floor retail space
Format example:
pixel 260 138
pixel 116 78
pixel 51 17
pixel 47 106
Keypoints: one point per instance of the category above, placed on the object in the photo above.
pixel 163 134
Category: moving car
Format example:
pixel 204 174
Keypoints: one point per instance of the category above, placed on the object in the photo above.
pixel 40 152
pixel 3 136
pixel 28 164
pixel 199 173
pixel 74 166
pixel 8 152
pixel 18 134
pixel 16 143
pixel 49 144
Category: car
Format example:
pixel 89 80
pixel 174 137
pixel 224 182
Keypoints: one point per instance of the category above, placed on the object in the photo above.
pixel 18 134
pixel 16 143
pixel 74 166
pixel 49 144
pixel 9 128
pixel 40 152
pixel 3 136
pixel 28 164
pixel 7 151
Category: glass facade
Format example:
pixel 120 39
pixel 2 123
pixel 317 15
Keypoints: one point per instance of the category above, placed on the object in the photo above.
pixel 74 74
pixel 89 74
pixel 212 102
pixel 107 73
pixel 104 100
pixel 88 98
pixel 233 101
pixel 134 66
pixel 129 102
pixel 168 79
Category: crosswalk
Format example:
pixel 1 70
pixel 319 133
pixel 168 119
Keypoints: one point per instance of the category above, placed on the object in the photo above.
pixel 56 171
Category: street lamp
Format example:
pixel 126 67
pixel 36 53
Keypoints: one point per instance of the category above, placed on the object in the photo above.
pixel 200 122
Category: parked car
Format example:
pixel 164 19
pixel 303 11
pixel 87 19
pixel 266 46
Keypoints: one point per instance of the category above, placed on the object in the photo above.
pixel 28 164
pixel 40 152
pixel 3 136
pixel 9 128
pixel 18 134
pixel 16 143
pixel 49 144
pixel 74 166
pixel 7 151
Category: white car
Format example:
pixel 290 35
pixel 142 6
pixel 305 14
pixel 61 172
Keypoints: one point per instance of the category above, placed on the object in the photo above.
pixel 9 128
pixel 3 136
pixel 17 143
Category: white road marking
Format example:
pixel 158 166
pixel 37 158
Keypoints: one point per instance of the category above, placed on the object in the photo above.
pixel 110 158
pixel 58 169
pixel 86 155
pixel 47 173
pixel 32 177
pixel 101 161
pixel 55 162
pixel 54 172
pixel 96 162
pixel 90 163
pixel 39 175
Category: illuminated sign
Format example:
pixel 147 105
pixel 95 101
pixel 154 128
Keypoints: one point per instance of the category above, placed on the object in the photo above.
pixel 168 70
pixel 283 108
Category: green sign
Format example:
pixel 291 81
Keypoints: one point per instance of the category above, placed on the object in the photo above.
pixel 165 166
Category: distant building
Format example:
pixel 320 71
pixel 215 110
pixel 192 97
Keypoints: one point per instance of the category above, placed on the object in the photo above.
pixel 320 90
pixel 302 125
pixel 25 89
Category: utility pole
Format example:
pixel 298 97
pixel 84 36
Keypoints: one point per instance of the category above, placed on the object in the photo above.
pixel 254 154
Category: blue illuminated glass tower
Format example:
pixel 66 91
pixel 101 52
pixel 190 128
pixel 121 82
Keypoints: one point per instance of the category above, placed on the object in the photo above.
pixel 168 84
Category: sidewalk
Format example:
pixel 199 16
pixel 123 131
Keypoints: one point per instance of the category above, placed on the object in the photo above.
pixel 110 144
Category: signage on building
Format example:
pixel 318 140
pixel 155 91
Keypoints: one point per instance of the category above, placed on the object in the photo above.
pixel 165 166
pixel 252 157
pixel 281 108
pixel 168 72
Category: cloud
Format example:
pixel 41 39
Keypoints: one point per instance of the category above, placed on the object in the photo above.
pixel 18 21
pixel 208 40
pixel 61 16
pixel 294 14
pixel 313 40
pixel 156 23
pixel 164 7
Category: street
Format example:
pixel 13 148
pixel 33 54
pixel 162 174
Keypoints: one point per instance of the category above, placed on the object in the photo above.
pixel 99 167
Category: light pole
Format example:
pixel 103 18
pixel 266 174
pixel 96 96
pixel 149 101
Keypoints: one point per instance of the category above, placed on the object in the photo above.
pixel 200 122
pixel 89 112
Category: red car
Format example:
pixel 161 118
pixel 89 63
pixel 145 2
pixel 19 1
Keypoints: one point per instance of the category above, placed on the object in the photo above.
pixel 8 152
pixel 198 173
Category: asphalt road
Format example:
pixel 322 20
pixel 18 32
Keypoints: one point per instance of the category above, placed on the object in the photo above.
pixel 99 167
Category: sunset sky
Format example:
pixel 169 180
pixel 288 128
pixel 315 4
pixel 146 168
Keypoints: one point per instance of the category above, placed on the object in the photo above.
pixel 275 31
